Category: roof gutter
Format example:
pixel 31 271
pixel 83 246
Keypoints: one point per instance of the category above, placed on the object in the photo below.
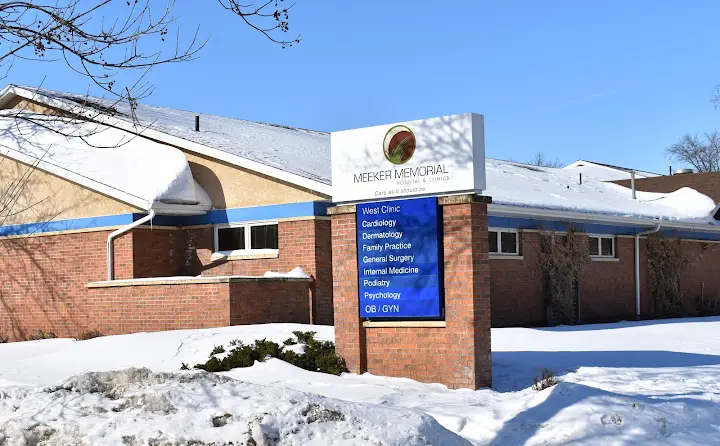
pixel 551 214
pixel 637 266
pixel 118 232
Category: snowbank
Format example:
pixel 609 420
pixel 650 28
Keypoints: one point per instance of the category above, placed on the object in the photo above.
pixel 138 406
pixel 653 382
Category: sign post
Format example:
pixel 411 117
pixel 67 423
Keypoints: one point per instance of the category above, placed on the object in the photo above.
pixel 409 249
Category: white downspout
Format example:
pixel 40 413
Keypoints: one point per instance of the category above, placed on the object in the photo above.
pixel 637 266
pixel 124 229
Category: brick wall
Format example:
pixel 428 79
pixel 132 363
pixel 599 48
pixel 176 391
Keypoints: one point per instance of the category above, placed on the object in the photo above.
pixel 703 268
pixel 45 277
pixel 303 243
pixel 131 309
pixel 264 302
pixel 516 286
pixel 607 288
pixel 44 280
pixel 458 354
pixel 127 309
pixel 707 183
pixel 158 252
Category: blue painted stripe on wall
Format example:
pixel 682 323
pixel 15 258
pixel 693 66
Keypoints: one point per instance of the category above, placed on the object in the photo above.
pixel 159 220
pixel 690 235
pixel 66 225
pixel 321 207
pixel 272 212
pixel 307 209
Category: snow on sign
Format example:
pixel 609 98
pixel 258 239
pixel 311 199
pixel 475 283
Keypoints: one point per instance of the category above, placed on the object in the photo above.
pixel 399 259
pixel 426 157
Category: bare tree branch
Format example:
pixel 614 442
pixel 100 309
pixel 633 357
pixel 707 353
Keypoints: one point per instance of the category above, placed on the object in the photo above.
pixel 114 43
pixel 94 41
pixel 274 10
pixel 702 155
pixel 541 161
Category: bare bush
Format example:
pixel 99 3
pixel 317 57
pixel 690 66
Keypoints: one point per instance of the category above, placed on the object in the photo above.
pixel 666 261
pixel 541 161
pixel 89 335
pixel 562 258
pixel 39 335
pixel 546 380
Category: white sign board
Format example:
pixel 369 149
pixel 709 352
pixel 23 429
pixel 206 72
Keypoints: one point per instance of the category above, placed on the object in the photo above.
pixel 427 157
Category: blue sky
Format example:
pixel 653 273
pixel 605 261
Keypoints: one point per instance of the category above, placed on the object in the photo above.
pixel 611 81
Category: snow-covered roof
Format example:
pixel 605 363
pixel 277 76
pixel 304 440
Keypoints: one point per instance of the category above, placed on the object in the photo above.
pixel 135 170
pixel 606 172
pixel 295 155
pixel 530 186
pixel 303 157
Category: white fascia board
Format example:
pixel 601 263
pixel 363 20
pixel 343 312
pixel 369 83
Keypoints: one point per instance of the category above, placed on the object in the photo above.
pixel 78 179
pixel 174 140
pixel 550 214
pixel 180 209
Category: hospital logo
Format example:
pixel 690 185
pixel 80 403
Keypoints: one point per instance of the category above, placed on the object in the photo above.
pixel 399 144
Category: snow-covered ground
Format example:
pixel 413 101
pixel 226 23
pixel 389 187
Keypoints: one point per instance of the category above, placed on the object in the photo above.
pixel 655 382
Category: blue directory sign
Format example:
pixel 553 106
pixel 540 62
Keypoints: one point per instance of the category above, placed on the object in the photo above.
pixel 398 259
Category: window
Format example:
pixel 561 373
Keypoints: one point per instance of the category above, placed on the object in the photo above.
pixel 263 237
pixel 503 241
pixel 602 246
pixel 247 238
pixel 230 239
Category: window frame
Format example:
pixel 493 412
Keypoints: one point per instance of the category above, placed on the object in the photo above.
pixel 499 242
pixel 599 238
pixel 248 251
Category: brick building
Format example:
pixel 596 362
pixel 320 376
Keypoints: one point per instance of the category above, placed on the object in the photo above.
pixel 613 284
pixel 230 200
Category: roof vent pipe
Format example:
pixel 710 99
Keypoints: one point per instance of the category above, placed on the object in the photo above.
pixel 632 183
pixel 197 123
pixel 682 171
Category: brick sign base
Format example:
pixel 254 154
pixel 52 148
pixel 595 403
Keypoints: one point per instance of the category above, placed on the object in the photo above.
pixel 455 352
